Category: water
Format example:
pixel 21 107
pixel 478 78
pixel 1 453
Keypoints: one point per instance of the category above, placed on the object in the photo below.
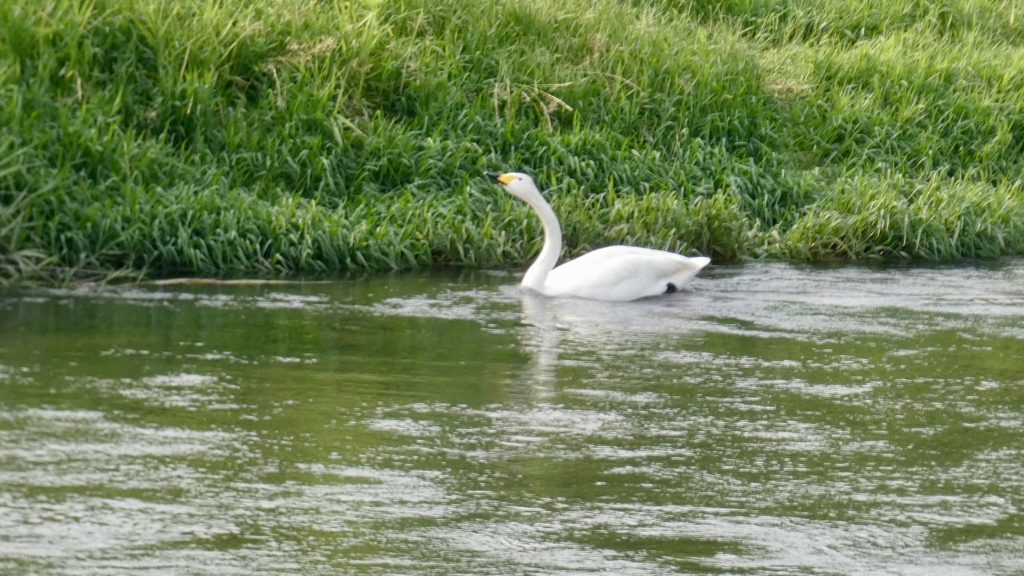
pixel 770 419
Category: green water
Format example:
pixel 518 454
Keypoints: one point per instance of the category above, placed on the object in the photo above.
pixel 770 419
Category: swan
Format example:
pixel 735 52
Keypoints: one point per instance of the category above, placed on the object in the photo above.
pixel 619 273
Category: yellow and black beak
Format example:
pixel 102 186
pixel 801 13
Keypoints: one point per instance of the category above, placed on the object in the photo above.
pixel 500 178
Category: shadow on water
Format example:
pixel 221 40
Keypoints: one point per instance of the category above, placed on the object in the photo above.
pixel 768 419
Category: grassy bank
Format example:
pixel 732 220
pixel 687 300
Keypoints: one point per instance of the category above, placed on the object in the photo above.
pixel 211 136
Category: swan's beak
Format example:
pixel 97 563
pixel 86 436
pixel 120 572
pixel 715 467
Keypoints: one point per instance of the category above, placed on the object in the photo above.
pixel 500 178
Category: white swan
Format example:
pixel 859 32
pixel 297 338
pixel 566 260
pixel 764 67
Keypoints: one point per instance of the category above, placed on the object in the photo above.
pixel 612 273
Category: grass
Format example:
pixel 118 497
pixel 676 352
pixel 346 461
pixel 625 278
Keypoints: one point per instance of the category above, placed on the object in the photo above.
pixel 265 137
pixel 16 260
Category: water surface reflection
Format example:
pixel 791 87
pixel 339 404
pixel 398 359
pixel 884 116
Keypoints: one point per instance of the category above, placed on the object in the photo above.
pixel 771 419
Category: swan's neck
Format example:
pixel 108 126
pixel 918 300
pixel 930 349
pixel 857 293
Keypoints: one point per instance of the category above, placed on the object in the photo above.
pixel 537 275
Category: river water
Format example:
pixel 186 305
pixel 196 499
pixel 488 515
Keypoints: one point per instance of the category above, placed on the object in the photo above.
pixel 768 419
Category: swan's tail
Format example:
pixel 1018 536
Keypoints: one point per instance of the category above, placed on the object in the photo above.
pixel 690 269
pixel 699 262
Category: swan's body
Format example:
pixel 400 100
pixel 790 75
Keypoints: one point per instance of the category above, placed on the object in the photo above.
pixel 612 273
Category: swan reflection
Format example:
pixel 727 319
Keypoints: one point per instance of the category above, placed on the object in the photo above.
pixel 555 328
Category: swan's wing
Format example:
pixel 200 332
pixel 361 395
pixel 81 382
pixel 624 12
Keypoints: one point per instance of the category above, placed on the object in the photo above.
pixel 622 273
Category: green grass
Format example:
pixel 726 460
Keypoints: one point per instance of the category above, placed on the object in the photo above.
pixel 271 136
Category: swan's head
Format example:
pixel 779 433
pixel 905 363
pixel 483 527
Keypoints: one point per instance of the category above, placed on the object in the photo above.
pixel 516 183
